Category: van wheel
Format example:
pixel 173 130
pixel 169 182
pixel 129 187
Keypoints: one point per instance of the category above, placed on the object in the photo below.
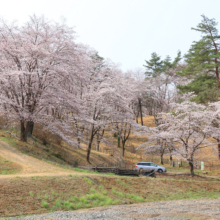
pixel 140 171
pixel 160 171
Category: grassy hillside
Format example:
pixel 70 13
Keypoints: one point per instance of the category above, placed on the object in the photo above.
pixel 64 154
pixel 8 167
pixel 49 147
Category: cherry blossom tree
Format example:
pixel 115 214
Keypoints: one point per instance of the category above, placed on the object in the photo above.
pixel 156 145
pixel 186 130
pixel 104 99
pixel 123 130
pixel 37 59
pixel 139 92
pixel 214 117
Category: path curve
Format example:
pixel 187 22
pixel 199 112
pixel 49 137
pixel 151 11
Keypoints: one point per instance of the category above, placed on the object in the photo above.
pixel 30 166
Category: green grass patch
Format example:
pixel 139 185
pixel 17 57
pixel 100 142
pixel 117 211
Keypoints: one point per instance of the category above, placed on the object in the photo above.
pixel 117 193
pixel 95 197
pixel 31 194
pixel 52 192
pixel 84 171
pixel 121 182
pixel 10 140
pixel 44 204
pixel 8 167
pixel 127 195
pixel 89 181
pixel 134 197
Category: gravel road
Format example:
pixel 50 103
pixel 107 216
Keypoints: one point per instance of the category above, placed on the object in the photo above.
pixel 200 209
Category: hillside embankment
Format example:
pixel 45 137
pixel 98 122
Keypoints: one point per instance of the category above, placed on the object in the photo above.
pixel 194 209
pixel 28 195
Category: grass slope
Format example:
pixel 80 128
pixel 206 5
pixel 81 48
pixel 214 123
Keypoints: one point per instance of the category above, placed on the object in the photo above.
pixel 8 167
pixel 60 153
pixel 23 196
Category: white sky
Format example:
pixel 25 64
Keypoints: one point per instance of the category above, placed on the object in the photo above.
pixel 126 31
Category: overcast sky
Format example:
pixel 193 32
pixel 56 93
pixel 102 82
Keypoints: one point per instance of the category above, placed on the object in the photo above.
pixel 126 31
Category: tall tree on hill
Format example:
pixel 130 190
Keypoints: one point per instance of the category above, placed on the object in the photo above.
pixel 124 128
pixel 154 65
pixel 214 115
pixel 161 78
pixel 186 131
pixel 37 60
pixel 203 63
pixel 169 64
pixel 106 99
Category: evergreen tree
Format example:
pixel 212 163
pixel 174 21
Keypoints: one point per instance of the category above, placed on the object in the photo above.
pixel 203 63
pixel 177 59
pixel 154 65
pixel 204 86
pixel 168 64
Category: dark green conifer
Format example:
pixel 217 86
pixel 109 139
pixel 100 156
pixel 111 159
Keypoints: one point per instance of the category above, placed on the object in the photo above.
pixel 203 62
pixel 154 65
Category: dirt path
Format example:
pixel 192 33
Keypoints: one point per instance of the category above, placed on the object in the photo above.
pixel 30 166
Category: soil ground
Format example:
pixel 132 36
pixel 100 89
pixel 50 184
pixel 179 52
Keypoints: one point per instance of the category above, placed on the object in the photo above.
pixel 28 195
pixel 193 209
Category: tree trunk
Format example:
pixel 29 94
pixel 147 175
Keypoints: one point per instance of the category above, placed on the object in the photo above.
pixel 24 131
pixel 78 142
pixel 31 127
pixel 161 159
pixel 89 151
pixel 97 145
pixel 171 157
pixel 22 137
pixel 140 107
pixel 123 148
pixel 217 77
pixel 137 117
pixel 218 148
pixel 216 68
pixel 191 168
pixel 27 129
pixel 90 145
pixel 219 151
pixel 118 141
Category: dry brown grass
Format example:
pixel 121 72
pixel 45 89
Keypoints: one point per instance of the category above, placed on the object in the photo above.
pixel 147 121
